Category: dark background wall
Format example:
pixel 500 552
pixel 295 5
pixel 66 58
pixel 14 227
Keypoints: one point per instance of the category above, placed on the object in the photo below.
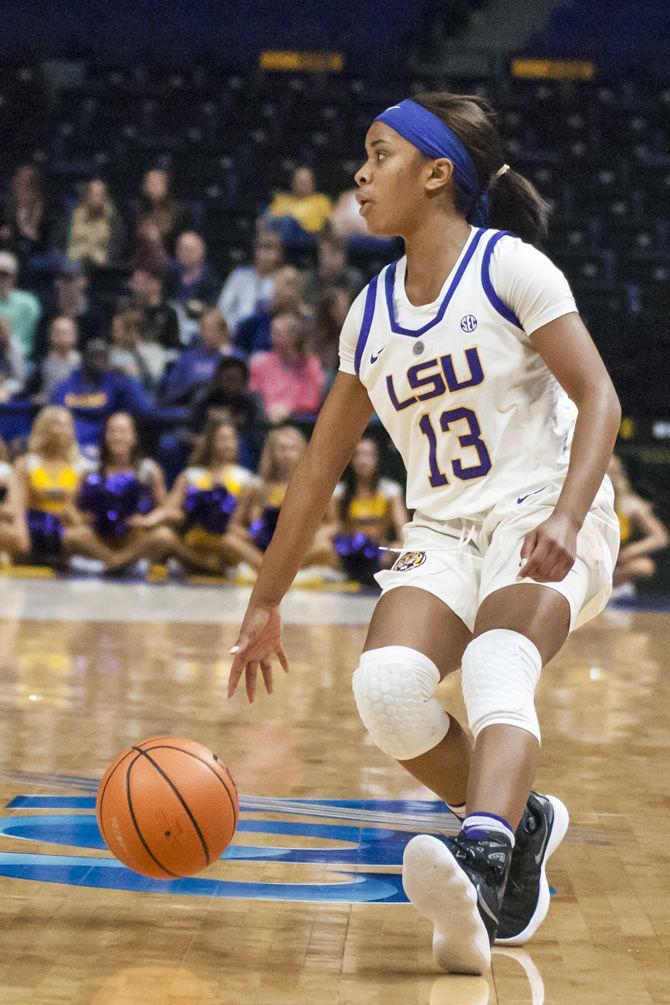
pixel 233 31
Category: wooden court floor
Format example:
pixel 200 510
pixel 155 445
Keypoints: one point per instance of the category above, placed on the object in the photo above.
pixel 307 908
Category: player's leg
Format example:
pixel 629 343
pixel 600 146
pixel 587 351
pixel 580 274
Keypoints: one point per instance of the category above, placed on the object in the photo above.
pixel 505 754
pixel 429 632
pixel 459 884
pixel 518 629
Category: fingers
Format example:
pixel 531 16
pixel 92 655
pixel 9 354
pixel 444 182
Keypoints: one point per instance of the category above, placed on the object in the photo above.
pixel 549 563
pixel 236 671
pixel 528 544
pixel 266 670
pixel 250 679
pixel 281 656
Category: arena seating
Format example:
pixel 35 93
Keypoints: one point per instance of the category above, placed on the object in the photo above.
pixel 597 151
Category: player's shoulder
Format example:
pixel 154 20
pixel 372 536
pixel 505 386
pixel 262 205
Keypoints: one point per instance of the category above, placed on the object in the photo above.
pixel 504 246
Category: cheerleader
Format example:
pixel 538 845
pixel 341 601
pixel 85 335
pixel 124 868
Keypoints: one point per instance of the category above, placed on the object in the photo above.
pixel 121 493
pixel 48 478
pixel 14 538
pixel 642 533
pixel 372 514
pixel 283 449
pixel 199 523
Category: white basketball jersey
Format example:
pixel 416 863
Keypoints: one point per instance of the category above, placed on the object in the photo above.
pixel 470 404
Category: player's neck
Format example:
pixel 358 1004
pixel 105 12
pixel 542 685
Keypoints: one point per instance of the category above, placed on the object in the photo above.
pixel 432 251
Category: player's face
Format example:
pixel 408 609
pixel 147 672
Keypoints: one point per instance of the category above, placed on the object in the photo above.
pixel 390 192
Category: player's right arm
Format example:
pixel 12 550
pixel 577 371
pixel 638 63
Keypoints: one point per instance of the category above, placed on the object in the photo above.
pixel 342 420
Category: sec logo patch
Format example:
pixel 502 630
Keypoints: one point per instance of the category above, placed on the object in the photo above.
pixel 409 560
pixel 468 323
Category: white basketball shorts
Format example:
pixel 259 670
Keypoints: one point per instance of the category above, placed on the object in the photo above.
pixel 462 562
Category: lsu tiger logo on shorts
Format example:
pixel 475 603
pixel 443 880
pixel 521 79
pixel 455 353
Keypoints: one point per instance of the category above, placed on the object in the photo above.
pixel 409 560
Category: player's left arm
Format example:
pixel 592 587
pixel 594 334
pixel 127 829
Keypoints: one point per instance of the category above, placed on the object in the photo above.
pixel 568 350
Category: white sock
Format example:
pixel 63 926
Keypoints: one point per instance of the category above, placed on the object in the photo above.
pixel 479 824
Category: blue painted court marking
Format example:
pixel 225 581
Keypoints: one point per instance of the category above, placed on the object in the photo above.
pixel 347 837
pixel 108 874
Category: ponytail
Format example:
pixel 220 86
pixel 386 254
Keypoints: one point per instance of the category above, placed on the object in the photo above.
pixel 513 202
pixel 516 205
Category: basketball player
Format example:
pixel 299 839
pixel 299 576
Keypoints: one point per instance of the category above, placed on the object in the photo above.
pixel 472 353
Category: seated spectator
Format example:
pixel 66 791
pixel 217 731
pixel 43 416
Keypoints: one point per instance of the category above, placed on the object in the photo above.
pixel 196 365
pixel 12 365
pixel 69 298
pixel 131 353
pixel 159 319
pixel 248 286
pixel 48 482
pixel 94 391
pixel 27 220
pixel 227 395
pixel 61 360
pixel 332 269
pixel 159 218
pixel 331 313
pixel 95 233
pixel 204 530
pixel 253 334
pixel 195 284
pixel 14 537
pixel 288 378
pixel 120 494
pixel 300 213
pixel 372 513
pixel 20 309
pixel 642 533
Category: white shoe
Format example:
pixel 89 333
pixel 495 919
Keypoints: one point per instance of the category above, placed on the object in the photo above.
pixel 442 892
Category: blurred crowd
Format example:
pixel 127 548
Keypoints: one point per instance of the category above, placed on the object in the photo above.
pixel 214 376
pixel 168 416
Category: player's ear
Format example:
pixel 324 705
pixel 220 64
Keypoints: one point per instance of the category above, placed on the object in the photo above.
pixel 439 175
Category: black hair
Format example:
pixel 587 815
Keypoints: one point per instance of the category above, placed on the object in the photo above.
pixel 514 202
pixel 349 480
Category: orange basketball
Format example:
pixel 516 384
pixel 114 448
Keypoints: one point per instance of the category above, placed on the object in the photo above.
pixel 167 807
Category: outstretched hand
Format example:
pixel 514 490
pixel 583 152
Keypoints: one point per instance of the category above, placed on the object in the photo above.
pixel 259 640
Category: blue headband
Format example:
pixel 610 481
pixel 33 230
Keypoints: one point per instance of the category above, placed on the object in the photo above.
pixel 435 139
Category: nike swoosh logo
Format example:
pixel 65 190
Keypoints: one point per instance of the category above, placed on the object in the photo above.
pixel 540 854
pixel 374 358
pixel 521 498
pixel 485 907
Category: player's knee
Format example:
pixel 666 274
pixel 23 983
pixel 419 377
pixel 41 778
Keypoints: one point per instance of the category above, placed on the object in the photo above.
pixel 501 669
pixel 394 688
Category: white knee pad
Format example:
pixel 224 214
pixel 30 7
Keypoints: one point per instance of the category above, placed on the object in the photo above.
pixel 394 688
pixel 501 669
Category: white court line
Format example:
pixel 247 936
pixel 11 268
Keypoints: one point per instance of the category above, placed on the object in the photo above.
pixel 99 600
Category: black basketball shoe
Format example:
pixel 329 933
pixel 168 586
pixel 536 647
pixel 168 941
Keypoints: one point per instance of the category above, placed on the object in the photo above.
pixel 542 828
pixel 458 884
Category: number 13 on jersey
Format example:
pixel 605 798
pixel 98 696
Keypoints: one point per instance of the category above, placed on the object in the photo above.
pixel 470 438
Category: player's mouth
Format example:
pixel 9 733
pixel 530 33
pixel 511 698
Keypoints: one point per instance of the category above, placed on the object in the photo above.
pixel 363 202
